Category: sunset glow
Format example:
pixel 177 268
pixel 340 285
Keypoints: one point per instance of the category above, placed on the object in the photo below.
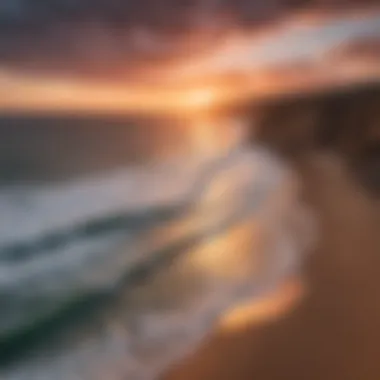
pixel 244 66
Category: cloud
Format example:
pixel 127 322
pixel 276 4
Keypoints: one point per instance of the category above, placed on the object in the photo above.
pixel 94 36
pixel 98 34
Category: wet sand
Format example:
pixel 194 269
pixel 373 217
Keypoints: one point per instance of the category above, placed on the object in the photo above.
pixel 334 333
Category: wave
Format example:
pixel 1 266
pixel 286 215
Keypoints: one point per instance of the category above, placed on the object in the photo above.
pixel 105 235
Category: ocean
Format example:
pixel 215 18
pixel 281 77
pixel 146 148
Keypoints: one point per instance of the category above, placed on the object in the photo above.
pixel 158 244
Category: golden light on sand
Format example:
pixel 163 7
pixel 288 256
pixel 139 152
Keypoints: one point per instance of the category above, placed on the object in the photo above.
pixel 269 307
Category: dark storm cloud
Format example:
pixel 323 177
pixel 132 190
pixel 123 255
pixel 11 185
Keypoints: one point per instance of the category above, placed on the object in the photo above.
pixel 92 33
pixel 97 34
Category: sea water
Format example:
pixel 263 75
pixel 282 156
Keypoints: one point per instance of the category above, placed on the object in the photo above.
pixel 120 273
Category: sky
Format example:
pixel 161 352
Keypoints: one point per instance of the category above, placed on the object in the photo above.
pixel 98 34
